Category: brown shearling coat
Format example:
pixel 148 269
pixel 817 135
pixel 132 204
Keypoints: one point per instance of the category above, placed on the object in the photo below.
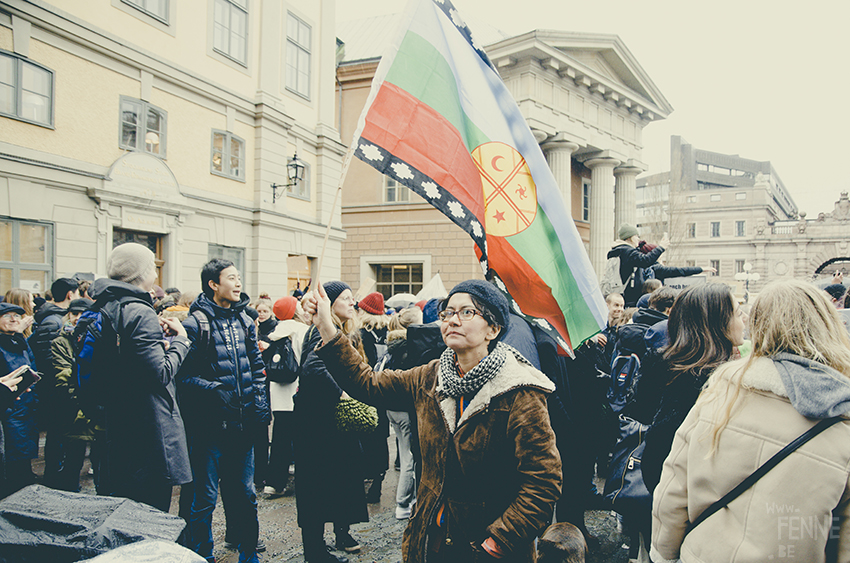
pixel 496 469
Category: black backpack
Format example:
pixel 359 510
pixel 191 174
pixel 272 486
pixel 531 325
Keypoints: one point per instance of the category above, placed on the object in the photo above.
pixel 629 352
pixel 282 366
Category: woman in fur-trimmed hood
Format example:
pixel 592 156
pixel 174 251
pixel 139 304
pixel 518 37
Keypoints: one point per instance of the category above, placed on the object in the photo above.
pixel 797 374
pixel 491 472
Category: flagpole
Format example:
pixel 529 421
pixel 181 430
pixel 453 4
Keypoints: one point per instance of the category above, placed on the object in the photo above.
pixel 345 164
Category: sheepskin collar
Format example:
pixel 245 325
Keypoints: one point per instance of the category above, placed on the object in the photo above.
pixel 512 375
pixel 762 375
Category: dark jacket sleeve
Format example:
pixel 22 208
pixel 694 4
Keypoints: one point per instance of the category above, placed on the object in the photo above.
pixel 664 272
pixel 388 389
pixel 142 340
pixel 634 258
pixel 258 375
pixel 42 336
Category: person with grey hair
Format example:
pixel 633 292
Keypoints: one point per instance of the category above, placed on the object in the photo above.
pixel 145 443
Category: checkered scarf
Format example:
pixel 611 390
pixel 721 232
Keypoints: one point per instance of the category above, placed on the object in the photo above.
pixel 455 386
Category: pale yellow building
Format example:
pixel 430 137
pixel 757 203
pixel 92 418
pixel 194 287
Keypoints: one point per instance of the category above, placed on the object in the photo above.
pixel 166 122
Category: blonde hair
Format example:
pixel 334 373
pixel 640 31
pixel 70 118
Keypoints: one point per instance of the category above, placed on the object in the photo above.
pixel 401 320
pixel 23 299
pixel 788 316
pixel 372 322
pixel 262 301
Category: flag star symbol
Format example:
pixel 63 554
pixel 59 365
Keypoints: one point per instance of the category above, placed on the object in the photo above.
pixel 402 170
pixel 516 307
pixel 484 264
pixel 562 344
pixel 543 324
pixel 499 216
pixel 457 209
pixel 371 152
pixel 431 190
pixel 456 19
pixel 476 228
pixel 501 284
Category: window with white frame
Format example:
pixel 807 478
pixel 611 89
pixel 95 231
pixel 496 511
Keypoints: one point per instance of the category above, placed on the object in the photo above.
pixel 398 278
pixel 715 229
pixel 714 197
pixel 26 90
pixel 232 253
pixel 585 199
pixel 155 8
pixel 692 230
pixel 395 192
pixel 230 29
pixel 716 265
pixel 298 41
pixel 26 255
pixel 739 266
pixel 228 155
pixel 692 199
pixel 740 228
pixel 143 127
pixel 741 196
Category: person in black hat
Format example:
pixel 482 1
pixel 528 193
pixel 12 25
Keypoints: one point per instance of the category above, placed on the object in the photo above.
pixel 329 482
pixel 491 472
pixel 19 426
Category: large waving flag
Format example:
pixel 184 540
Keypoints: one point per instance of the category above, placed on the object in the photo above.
pixel 440 121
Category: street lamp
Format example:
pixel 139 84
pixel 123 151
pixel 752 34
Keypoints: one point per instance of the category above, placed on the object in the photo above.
pixel 294 172
pixel 746 277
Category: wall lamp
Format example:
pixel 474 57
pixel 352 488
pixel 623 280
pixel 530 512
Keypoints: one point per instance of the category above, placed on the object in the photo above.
pixel 294 171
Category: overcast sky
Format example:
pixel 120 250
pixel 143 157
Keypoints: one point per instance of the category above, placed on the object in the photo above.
pixel 765 79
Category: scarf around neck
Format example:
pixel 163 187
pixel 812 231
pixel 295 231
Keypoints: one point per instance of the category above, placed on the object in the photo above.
pixel 467 386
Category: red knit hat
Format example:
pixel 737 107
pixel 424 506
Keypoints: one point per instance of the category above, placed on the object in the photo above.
pixel 421 304
pixel 284 308
pixel 373 303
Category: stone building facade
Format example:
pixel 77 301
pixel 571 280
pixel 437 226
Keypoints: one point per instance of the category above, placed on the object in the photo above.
pixel 725 211
pixel 166 123
pixel 584 96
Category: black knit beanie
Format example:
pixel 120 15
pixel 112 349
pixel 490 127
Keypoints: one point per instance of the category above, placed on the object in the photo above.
pixel 334 289
pixel 487 293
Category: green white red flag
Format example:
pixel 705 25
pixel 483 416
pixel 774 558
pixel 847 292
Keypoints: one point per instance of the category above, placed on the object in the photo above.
pixel 440 120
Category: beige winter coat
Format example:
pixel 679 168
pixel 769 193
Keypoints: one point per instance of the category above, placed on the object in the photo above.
pixel 788 515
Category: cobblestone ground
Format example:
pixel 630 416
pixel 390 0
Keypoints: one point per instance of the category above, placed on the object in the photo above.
pixel 380 537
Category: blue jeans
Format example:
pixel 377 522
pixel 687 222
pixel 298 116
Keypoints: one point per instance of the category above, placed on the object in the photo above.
pixel 226 457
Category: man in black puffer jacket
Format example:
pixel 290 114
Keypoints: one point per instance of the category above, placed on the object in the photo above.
pixel 633 262
pixel 222 391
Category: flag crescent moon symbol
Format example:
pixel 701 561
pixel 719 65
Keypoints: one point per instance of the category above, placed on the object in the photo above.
pixel 493 163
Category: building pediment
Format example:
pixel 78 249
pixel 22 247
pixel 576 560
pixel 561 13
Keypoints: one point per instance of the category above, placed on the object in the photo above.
pixel 599 62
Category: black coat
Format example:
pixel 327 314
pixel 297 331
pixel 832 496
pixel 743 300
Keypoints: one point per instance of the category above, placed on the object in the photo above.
pixel 330 464
pixel 632 259
pixel 676 398
pixel 145 439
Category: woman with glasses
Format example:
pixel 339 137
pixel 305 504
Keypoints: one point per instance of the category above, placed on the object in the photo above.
pixel 19 426
pixel 490 469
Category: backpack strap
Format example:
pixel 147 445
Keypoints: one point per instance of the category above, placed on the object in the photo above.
pixel 203 328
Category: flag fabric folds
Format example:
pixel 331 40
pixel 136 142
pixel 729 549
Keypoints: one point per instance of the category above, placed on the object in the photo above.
pixel 440 120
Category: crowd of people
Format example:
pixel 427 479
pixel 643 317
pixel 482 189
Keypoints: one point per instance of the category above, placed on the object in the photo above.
pixel 499 433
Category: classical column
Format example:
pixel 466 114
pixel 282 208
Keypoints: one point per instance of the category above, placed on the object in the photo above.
pixel 625 204
pixel 601 210
pixel 559 156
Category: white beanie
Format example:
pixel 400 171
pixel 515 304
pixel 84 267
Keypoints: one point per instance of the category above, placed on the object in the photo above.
pixel 130 263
